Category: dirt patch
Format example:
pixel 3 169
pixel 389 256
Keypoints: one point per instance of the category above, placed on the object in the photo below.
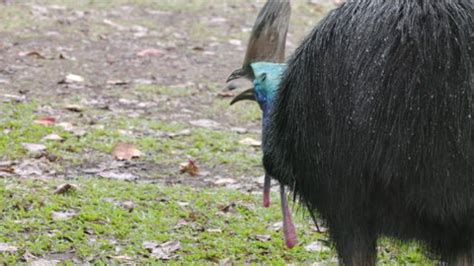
pixel 148 61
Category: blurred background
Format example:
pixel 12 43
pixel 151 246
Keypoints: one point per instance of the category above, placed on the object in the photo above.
pixel 133 71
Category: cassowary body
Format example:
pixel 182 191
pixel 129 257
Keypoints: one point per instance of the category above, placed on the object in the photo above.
pixel 372 126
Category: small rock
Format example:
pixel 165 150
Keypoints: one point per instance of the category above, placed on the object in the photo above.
pixel 72 78
pixel 54 137
pixel 182 203
pixel 5 247
pixel 117 82
pixel 128 205
pixel 61 216
pixel 44 262
pixel 317 246
pixel 74 108
pixel 118 176
pixel 251 142
pixel 34 148
pixel 235 42
pixel 263 238
pixel 225 181
pixel 277 226
pixel 239 130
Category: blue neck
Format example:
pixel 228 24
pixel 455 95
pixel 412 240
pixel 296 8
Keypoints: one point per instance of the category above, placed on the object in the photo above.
pixel 266 83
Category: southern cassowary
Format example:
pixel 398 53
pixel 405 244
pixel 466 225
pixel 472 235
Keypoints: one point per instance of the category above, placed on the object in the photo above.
pixel 266 45
pixel 371 126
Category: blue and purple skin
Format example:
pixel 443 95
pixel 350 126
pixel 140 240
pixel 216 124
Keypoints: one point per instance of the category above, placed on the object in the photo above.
pixel 267 77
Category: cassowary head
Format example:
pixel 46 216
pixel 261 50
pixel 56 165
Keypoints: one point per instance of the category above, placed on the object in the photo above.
pixel 266 83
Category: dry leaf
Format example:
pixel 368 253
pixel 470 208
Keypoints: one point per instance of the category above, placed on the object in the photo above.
pixel 64 56
pixel 122 258
pixel 7 167
pixel 12 97
pixel 225 181
pixel 198 48
pixel 125 151
pixel 114 25
pixel 226 94
pixel 61 216
pixel 46 121
pixel 181 224
pixel 118 176
pixel 184 132
pixel 29 168
pixel 34 54
pixel 117 82
pixel 263 238
pixel 164 251
pixel 74 108
pixel 72 78
pixel 44 262
pixel 190 167
pixel 64 188
pixel 228 208
pixel 206 123
pixel 28 257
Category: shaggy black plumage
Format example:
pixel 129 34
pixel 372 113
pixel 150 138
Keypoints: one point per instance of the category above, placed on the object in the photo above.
pixel 372 126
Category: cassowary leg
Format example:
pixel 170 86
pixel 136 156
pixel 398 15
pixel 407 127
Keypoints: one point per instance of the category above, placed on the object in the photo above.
pixel 266 191
pixel 355 247
pixel 288 226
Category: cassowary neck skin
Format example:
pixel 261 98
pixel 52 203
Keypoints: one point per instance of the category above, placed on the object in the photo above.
pixel 266 83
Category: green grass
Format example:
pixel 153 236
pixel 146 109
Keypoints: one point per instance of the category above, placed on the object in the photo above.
pixel 103 229
pixel 27 207
pixel 15 18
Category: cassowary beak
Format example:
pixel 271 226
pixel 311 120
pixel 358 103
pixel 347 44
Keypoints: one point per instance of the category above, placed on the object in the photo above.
pixel 248 94
pixel 238 73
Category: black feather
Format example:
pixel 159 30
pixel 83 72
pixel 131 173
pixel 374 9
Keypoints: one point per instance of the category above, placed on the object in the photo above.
pixel 373 128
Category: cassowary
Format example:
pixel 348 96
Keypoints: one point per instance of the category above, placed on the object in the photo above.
pixel 267 44
pixel 371 126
